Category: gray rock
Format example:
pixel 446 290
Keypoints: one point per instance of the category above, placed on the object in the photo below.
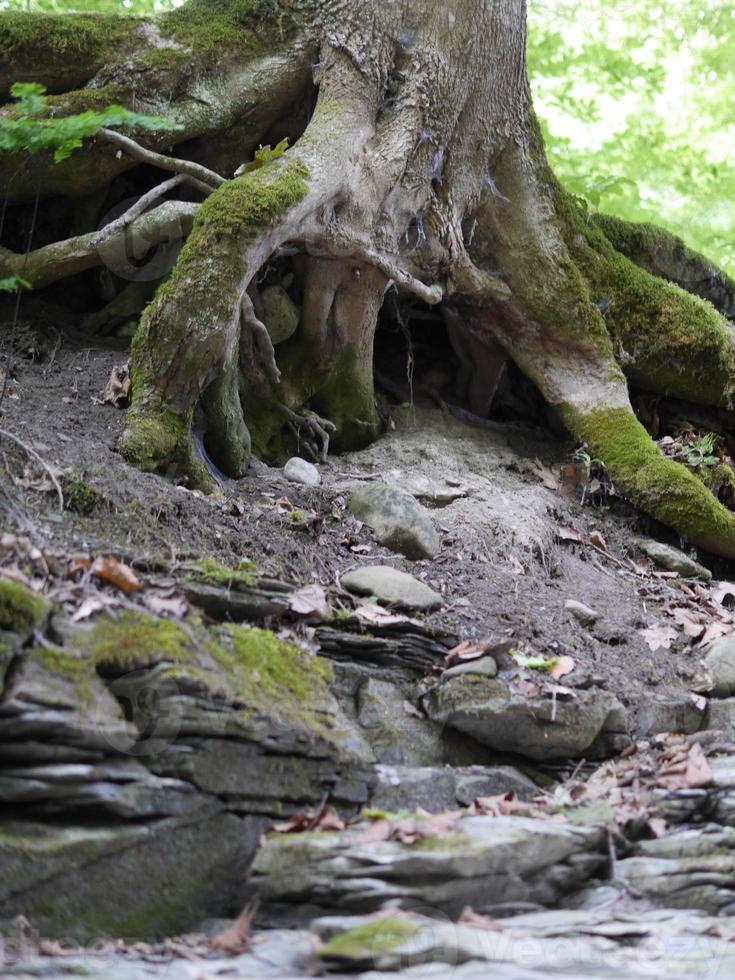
pixel 398 734
pixel 476 781
pixel 482 862
pixel 483 667
pixel 673 560
pixel 539 728
pixel 678 713
pixel 398 519
pixel 720 660
pixel 721 715
pixel 694 869
pixel 591 943
pixel 406 788
pixel 280 314
pixel 128 880
pixel 584 614
pixel 393 587
pixel 298 470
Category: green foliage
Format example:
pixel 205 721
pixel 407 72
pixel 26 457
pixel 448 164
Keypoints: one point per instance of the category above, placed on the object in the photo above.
pixel 636 105
pixel 29 131
pixel 10 283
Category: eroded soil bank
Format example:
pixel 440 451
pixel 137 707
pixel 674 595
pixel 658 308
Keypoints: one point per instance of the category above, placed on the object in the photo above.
pixel 193 669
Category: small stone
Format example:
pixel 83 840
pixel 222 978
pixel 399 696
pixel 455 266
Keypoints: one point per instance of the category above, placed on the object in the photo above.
pixel 484 666
pixel 673 560
pixel 280 314
pixel 392 587
pixel 720 661
pixel 298 470
pixel 584 614
pixel 398 519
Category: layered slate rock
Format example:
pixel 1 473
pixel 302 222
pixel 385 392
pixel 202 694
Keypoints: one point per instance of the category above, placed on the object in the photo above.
pixel 590 723
pixel 439 789
pixel 483 862
pixel 575 944
pixel 152 754
pixel 398 519
pixel 693 869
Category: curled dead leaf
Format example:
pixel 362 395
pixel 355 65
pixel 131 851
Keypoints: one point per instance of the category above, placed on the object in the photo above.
pixel 116 573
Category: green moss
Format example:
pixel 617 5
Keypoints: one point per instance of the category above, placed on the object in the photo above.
pixel 252 203
pixel 151 436
pixel 21 611
pixel 212 571
pixel 210 27
pixel 663 488
pixel 380 935
pixel 666 339
pixel 274 678
pixel 134 640
pixel 79 496
pixel 59 37
pixel 456 843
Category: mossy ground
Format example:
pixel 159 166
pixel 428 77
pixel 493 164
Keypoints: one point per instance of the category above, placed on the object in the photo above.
pixel 21 611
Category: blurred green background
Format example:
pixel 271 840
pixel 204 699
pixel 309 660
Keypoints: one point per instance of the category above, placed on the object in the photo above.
pixel 636 100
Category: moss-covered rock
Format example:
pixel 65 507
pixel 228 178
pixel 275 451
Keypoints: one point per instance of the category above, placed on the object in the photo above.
pixel 21 611
pixel 362 944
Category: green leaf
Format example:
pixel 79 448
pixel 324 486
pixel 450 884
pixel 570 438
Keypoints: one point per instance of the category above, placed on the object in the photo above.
pixel 533 663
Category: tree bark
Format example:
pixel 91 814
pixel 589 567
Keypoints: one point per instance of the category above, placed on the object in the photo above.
pixel 421 167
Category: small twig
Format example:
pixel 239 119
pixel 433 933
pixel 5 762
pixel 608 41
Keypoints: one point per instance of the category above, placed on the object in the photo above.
pixel 34 455
pixel 172 164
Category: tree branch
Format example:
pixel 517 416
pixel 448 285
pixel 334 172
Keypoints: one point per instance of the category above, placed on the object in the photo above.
pixel 171 220
pixel 172 164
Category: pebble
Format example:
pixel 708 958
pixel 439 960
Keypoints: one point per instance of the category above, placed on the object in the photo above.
pixel 392 586
pixel 298 470
pixel 584 614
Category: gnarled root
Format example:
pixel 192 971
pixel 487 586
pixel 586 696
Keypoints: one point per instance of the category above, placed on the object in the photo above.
pixel 311 432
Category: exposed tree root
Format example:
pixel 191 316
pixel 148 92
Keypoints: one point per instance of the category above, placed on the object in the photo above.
pixel 415 171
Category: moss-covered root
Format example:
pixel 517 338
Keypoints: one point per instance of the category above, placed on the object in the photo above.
pixel 662 488
pixel 227 436
pixel 189 335
pixel 331 358
pixel 664 254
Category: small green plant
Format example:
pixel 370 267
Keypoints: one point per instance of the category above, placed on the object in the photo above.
pixel 30 130
pixel 10 283
pixel 263 156
pixel 692 450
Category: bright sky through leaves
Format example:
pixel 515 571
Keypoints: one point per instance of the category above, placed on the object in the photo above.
pixel 636 100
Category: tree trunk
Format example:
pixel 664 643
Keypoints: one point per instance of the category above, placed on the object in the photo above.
pixel 418 164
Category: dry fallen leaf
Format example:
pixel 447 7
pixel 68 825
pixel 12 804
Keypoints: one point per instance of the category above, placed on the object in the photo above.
pixel 324 819
pixel 469 917
pixel 547 476
pixel 370 612
pixel 568 534
pixel 466 651
pixel 598 541
pixel 117 573
pixel 117 389
pixel 659 637
pixel 310 601
pixel 236 938
pixel 562 667
pixel 168 603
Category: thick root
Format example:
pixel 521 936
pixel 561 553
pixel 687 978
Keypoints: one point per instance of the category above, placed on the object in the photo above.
pixel 665 255
pixel 661 487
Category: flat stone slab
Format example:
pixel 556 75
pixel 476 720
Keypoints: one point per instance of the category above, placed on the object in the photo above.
pixel 392 587
pixel 484 862
pixel 673 560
